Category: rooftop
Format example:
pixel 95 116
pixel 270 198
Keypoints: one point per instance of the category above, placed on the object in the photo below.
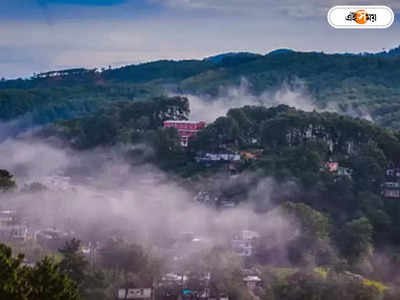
pixel 183 121
pixel 252 278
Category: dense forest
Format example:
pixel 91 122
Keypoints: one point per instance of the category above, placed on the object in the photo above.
pixel 367 83
pixel 324 173
pixel 289 145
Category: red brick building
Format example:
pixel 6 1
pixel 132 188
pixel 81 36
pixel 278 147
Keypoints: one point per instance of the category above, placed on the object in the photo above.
pixel 186 129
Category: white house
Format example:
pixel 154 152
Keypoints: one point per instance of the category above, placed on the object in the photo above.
pixel 252 282
pixel 144 293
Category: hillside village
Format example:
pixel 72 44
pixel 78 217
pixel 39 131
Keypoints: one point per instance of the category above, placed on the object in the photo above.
pixel 229 151
pixel 307 203
pixel 175 283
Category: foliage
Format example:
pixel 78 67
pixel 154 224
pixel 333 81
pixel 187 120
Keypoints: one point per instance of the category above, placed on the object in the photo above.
pixel 43 281
pixel 355 84
pixel 74 264
pixel 355 238
pixel 312 224
pixel 139 268
pixel 122 121
pixel 6 181
pixel 312 242
pixel 333 211
pixel 308 285
pixel 225 275
pixel 379 285
pixel 292 145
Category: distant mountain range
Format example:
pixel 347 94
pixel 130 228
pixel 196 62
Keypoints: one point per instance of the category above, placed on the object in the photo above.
pixel 235 55
pixel 363 82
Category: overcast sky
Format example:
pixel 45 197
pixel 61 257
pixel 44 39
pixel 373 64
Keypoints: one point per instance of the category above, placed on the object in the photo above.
pixel 42 35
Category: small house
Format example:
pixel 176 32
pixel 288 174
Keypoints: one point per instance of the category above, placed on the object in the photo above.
pixel 243 243
pixel 13 233
pixel 391 190
pixel 141 293
pixel 218 157
pixel 7 217
pixel 252 282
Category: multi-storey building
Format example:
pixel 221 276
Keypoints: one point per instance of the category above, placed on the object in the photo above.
pixel 391 187
pixel 186 129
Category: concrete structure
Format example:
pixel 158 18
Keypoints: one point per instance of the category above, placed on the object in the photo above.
pixel 243 243
pixel 335 168
pixel 252 282
pixel 218 157
pixel 391 190
pixel 393 173
pixel 143 293
pixel 13 233
pixel 391 187
pixel 10 227
pixel 186 129
pixel 7 217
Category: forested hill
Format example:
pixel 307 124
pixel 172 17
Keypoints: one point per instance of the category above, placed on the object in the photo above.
pixel 369 82
pixel 279 142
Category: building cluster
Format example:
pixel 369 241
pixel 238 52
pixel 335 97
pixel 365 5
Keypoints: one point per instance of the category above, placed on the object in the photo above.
pixel 218 157
pixel 337 169
pixel 186 129
pixel 184 286
pixel 178 283
pixel 11 229
pixel 165 293
pixel 145 293
pixel 391 186
pixel 52 238
pixel 14 229
pixel 244 242
pixel 215 200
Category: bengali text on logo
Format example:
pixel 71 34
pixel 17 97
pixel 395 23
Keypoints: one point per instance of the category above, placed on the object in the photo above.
pixel 360 17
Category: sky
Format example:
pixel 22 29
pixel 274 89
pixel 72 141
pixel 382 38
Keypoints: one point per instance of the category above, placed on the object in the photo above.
pixel 42 35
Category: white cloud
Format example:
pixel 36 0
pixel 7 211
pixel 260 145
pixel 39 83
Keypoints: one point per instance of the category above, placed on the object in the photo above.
pixel 208 109
pixel 294 8
pixel 100 37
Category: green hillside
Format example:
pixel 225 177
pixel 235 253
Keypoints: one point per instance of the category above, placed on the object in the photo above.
pixel 325 172
pixel 352 82
pixel 289 145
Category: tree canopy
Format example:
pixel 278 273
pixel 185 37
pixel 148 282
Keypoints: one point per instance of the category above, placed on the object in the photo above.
pixel 43 281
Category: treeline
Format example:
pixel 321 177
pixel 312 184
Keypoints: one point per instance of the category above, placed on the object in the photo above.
pixel 325 254
pixel 295 146
pixel 291 146
pixel 130 123
pixel 39 106
pixel 120 264
pixel 354 83
pixel 42 281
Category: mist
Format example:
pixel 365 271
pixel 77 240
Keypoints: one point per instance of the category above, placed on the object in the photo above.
pixel 208 108
pixel 98 194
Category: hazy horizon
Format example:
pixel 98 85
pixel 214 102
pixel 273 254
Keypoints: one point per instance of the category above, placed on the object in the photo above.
pixel 43 35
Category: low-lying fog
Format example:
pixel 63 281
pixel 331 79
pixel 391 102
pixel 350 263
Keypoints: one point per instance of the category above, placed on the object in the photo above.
pixel 98 195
